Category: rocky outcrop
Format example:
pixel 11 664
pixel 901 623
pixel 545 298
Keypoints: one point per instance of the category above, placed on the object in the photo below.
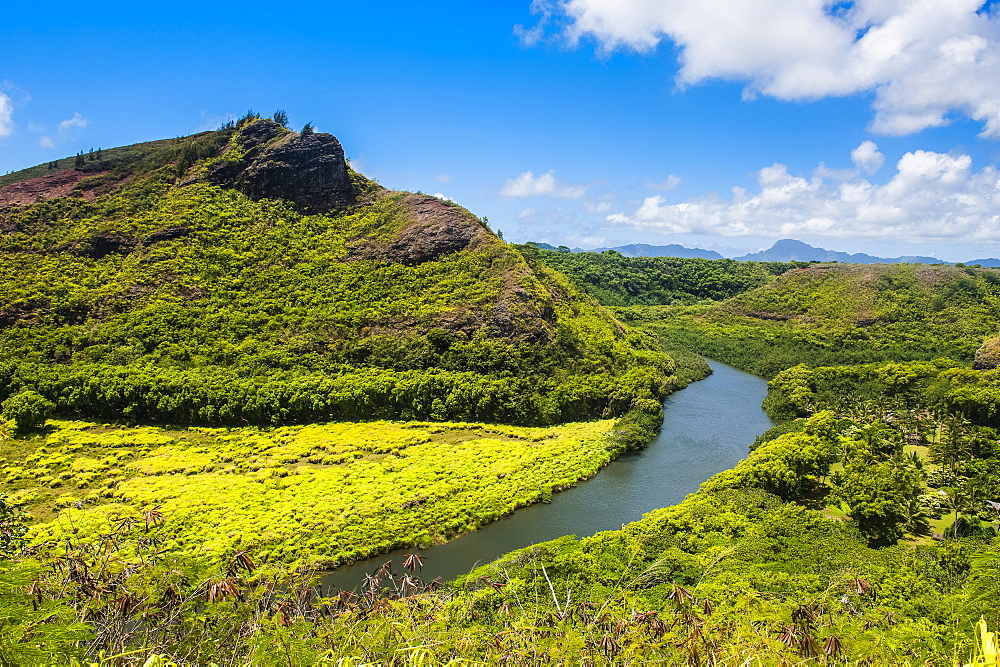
pixel 436 228
pixel 269 162
pixel 439 229
pixel 988 356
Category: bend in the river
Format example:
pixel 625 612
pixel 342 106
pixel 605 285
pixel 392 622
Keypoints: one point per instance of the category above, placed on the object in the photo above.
pixel 707 428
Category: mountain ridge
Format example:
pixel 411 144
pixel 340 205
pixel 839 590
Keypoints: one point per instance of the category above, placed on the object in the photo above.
pixel 783 250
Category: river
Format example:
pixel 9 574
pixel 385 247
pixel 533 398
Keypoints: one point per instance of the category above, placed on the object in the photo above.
pixel 707 428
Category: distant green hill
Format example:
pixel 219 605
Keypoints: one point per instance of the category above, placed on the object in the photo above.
pixel 767 316
pixel 828 314
pixel 250 276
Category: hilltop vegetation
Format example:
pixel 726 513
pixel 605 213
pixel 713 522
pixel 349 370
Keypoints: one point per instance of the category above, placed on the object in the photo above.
pixel 180 296
pixel 616 280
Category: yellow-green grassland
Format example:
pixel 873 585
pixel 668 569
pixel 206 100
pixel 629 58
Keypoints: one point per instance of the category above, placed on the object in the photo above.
pixel 308 496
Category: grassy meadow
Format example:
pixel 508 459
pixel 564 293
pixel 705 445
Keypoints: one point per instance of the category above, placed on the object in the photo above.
pixel 301 496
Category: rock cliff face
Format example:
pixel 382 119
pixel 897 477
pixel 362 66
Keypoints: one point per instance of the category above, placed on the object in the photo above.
pixel 435 228
pixel 269 162
pixel 988 356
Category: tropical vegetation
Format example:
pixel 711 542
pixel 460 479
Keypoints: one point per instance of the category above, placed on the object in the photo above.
pixel 208 395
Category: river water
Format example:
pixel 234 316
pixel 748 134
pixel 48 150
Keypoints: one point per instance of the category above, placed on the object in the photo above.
pixel 707 428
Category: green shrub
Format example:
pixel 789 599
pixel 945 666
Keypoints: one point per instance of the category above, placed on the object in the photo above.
pixel 28 409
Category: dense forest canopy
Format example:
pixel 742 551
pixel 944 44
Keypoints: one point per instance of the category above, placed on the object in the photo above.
pixel 840 313
pixel 616 280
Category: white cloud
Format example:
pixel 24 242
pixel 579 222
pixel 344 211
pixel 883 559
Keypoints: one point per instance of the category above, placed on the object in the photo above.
pixel 443 178
pixel 932 197
pixel 924 59
pixel 441 196
pixel 546 10
pixel 526 214
pixel 669 183
pixel 6 116
pixel 571 192
pixel 527 184
pixel 76 121
pixel 64 131
pixel 867 157
pixel 529 36
pixel 599 207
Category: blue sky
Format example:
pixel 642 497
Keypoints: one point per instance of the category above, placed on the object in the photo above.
pixel 722 125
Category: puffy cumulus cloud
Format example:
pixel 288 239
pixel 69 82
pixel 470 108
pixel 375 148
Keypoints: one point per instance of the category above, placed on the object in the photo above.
pixel 76 121
pixel 46 142
pixel 6 116
pixel 867 157
pixel 932 197
pixel 442 196
pixel 527 184
pixel 924 59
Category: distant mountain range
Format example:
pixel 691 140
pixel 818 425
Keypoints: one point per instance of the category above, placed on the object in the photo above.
pixel 785 250
pixel 789 250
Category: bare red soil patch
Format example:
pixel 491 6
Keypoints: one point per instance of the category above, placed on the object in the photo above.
pixel 60 184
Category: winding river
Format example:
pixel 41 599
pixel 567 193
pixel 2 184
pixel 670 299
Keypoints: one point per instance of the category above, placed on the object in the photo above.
pixel 707 428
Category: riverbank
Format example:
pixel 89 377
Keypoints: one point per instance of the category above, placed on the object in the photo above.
pixel 707 428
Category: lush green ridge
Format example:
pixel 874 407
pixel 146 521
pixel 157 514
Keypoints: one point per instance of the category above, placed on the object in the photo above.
pixel 109 166
pixel 173 300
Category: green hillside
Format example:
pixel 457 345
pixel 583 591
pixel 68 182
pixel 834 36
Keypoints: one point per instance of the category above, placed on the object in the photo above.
pixel 195 281
pixel 828 314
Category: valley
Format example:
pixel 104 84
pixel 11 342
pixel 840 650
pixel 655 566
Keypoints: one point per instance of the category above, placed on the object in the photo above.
pixel 229 361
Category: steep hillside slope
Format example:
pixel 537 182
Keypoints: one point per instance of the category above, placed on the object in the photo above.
pixel 248 275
